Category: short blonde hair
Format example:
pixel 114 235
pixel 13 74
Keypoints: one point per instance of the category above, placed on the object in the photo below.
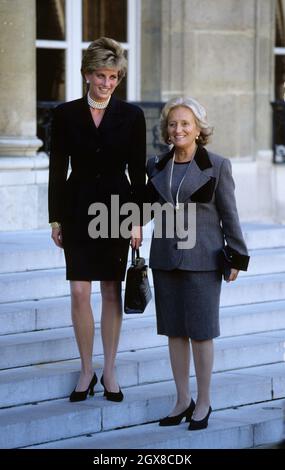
pixel 200 116
pixel 104 53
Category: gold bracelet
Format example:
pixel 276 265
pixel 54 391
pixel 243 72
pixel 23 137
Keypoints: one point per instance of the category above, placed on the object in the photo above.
pixel 55 225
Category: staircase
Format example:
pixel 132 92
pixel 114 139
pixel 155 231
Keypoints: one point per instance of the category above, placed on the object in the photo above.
pixel 39 359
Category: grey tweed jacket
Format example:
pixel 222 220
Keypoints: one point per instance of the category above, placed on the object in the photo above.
pixel 209 184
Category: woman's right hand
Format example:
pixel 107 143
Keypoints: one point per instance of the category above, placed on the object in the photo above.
pixel 233 275
pixel 56 235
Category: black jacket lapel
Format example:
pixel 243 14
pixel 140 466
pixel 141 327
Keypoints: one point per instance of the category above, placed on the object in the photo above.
pixel 198 184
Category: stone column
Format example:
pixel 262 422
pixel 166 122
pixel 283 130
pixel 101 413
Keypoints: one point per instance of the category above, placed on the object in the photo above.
pixel 150 50
pixel 19 165
pixel 264 72
pixel 219 58
pixel 172 32
pixel 221 52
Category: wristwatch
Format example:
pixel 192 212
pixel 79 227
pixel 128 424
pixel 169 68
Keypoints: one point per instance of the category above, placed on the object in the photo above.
pixel 55 225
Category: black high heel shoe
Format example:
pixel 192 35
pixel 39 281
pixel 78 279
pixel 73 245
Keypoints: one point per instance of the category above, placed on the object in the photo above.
pixel 81 396
pixel 112 396
pixel 175 420
pixel 201 424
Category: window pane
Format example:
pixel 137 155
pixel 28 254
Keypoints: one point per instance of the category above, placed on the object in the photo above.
pixel 50 75
pixel 51 19
pixel 280 77
pixel 280 26
pixel 104 18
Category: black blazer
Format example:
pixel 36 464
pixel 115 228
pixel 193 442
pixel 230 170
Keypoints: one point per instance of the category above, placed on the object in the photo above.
pixel 98 157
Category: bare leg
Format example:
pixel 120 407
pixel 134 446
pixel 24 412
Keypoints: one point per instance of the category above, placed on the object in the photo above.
pixel 179 351
pixel 83 324
pixel 111 321
pixel 203 353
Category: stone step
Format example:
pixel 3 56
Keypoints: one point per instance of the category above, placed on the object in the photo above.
pixel 56 345
pixel 25 316
pixel 252 318
pixel 59 419
pixel 265 261
pixel 236 428
pixel 263 235
pixel 29 315
pixel 253 289
pixel 34 285
pixel 49 283
pixel 34 249
pixel 27 250
pixel 57 379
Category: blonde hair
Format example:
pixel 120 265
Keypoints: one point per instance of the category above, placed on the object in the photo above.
pixel 200 116
pixel 104 53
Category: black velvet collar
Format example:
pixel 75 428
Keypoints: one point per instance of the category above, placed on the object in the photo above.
pixel 201 158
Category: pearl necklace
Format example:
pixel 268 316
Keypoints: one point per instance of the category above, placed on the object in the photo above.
pixel 97 104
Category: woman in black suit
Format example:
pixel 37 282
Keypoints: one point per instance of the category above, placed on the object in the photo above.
pixel 100 136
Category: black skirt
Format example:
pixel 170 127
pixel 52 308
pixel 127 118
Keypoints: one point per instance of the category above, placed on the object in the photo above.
pixel 100 259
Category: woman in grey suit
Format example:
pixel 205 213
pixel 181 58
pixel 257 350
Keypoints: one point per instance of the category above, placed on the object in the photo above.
pixel 196 184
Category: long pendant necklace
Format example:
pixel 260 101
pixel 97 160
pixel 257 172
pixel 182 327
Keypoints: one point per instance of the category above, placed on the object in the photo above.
pixel 171 176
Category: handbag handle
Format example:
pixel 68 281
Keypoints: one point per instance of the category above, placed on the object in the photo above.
pixel 135 253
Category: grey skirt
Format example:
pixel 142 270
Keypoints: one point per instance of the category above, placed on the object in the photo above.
pixel 187 303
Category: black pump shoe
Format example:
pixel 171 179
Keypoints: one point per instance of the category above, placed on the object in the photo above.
pixel 81 396
pixel 112 396
pixel 175 420
pixel 201 424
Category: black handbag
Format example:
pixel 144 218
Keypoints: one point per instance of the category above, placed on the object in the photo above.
pixel 225 263
pixel 137 291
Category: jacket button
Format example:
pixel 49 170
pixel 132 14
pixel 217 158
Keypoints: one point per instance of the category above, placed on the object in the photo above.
pixel 98 150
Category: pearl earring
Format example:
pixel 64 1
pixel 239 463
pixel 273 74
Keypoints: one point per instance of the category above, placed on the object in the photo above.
pixel 87 81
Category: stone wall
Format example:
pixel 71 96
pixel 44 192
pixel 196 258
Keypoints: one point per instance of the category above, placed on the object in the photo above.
pixel 221 52
pixel 151 50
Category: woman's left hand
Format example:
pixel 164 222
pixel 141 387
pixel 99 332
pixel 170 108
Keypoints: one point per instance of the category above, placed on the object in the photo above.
pixel 136 237
pixel 233 275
